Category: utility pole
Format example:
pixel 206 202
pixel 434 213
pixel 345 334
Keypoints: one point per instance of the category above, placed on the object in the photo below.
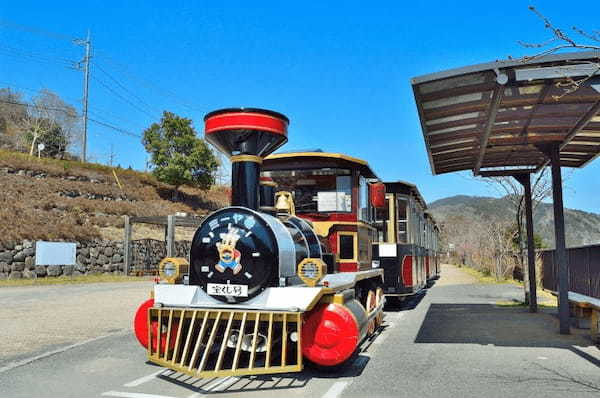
pixel 111 155
pixel 86 80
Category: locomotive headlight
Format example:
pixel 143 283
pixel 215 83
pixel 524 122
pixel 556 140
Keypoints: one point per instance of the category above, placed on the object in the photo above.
pixel 311 270
pixel 172 269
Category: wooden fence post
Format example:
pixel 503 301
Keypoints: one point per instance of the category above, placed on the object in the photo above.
pixel 127 245
pixel 170 236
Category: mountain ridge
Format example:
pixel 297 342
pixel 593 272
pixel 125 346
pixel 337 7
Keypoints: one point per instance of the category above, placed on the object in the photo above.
pixel 581 227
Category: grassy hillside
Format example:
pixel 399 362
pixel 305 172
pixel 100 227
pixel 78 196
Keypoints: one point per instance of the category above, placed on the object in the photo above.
pixel 55 199
pixel 582 228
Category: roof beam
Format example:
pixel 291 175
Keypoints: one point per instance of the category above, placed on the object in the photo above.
pixel 580 125
pixel 556 72
pixel 505 173
pixel 493 110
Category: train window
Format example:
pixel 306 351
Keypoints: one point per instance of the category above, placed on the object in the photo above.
pixel 382 216
pixel 346 247
pixel 363 200
pixel 402 210
pixel 316 190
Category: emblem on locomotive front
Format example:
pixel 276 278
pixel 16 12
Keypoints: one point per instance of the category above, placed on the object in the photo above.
pixel 229 256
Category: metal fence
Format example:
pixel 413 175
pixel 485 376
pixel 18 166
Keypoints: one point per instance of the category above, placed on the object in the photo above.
pixel 584 270
pixel 147 253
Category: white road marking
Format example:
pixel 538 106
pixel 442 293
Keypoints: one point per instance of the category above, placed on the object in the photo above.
pixel 133 395
pixel 143 380
pixel 336 389
pixel 58 351
pixel 542 358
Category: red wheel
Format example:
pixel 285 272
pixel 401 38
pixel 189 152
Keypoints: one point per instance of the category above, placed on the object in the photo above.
pixel 140 322
pixel 330 335
pixel 140 327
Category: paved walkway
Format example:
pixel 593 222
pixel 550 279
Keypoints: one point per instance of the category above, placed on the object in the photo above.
pixel 37 319
pixel 451 342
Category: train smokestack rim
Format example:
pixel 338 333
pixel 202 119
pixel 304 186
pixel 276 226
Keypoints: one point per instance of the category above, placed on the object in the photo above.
pixel 248 110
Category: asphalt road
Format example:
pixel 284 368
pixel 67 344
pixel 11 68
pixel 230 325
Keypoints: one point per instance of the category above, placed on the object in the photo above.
pixel 451 342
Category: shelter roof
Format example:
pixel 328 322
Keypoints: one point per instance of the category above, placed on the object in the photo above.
pixel 500 115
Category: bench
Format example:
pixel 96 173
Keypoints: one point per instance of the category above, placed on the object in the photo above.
pixel 586 311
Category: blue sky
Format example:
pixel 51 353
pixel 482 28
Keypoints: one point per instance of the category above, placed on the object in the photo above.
pixel 339 70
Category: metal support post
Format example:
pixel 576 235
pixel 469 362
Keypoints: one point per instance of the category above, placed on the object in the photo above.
pixel 553 152
pixel 525 180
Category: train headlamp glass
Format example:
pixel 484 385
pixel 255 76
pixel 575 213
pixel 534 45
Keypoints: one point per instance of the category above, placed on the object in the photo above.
pixel 172 269
pixel 169 270
pixel 311 271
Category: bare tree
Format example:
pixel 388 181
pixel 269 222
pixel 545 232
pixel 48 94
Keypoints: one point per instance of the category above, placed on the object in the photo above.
pixel 50 117
pixel 564 39
pixel 12 111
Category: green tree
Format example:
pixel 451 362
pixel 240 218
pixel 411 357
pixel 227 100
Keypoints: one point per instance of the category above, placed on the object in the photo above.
pixel 178 156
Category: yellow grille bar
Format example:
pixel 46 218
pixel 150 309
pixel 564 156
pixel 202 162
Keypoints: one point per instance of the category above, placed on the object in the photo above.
pixel 214 343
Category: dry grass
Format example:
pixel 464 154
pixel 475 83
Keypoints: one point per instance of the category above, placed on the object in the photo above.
pixel 487 279
pixel 31 208
pixel 62 280
pixel 517 303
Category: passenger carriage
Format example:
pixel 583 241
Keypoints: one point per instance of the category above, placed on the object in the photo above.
pixel 407 241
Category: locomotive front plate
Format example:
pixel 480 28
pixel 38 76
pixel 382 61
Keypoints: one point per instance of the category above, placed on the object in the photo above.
pixel 234 255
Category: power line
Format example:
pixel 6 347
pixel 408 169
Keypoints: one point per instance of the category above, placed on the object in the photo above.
pixel 31 29
pixel 122 86
pixel 92 111
pixel 129 133
pixel 49 108
pixel 106 86
pixel 149 84
pixel 31 56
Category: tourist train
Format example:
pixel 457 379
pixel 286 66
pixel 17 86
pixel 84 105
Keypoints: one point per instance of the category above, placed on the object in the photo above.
pixel 297 270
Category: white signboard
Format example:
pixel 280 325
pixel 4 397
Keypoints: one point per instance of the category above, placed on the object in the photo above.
pixel 55 253
pixel 387 250
pixel 333 201
pixel 221 289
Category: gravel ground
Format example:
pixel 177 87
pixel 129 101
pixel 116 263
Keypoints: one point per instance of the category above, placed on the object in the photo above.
pixel 38 319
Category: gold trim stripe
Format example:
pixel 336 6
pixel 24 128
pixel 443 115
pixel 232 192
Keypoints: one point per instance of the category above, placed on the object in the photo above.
pixel 246 158
pixel 268 183
pixel 318 155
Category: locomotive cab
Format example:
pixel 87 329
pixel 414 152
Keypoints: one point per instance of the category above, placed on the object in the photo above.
pixel 333 192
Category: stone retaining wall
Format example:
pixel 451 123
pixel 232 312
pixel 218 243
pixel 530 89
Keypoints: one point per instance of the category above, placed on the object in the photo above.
pixel 17 259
